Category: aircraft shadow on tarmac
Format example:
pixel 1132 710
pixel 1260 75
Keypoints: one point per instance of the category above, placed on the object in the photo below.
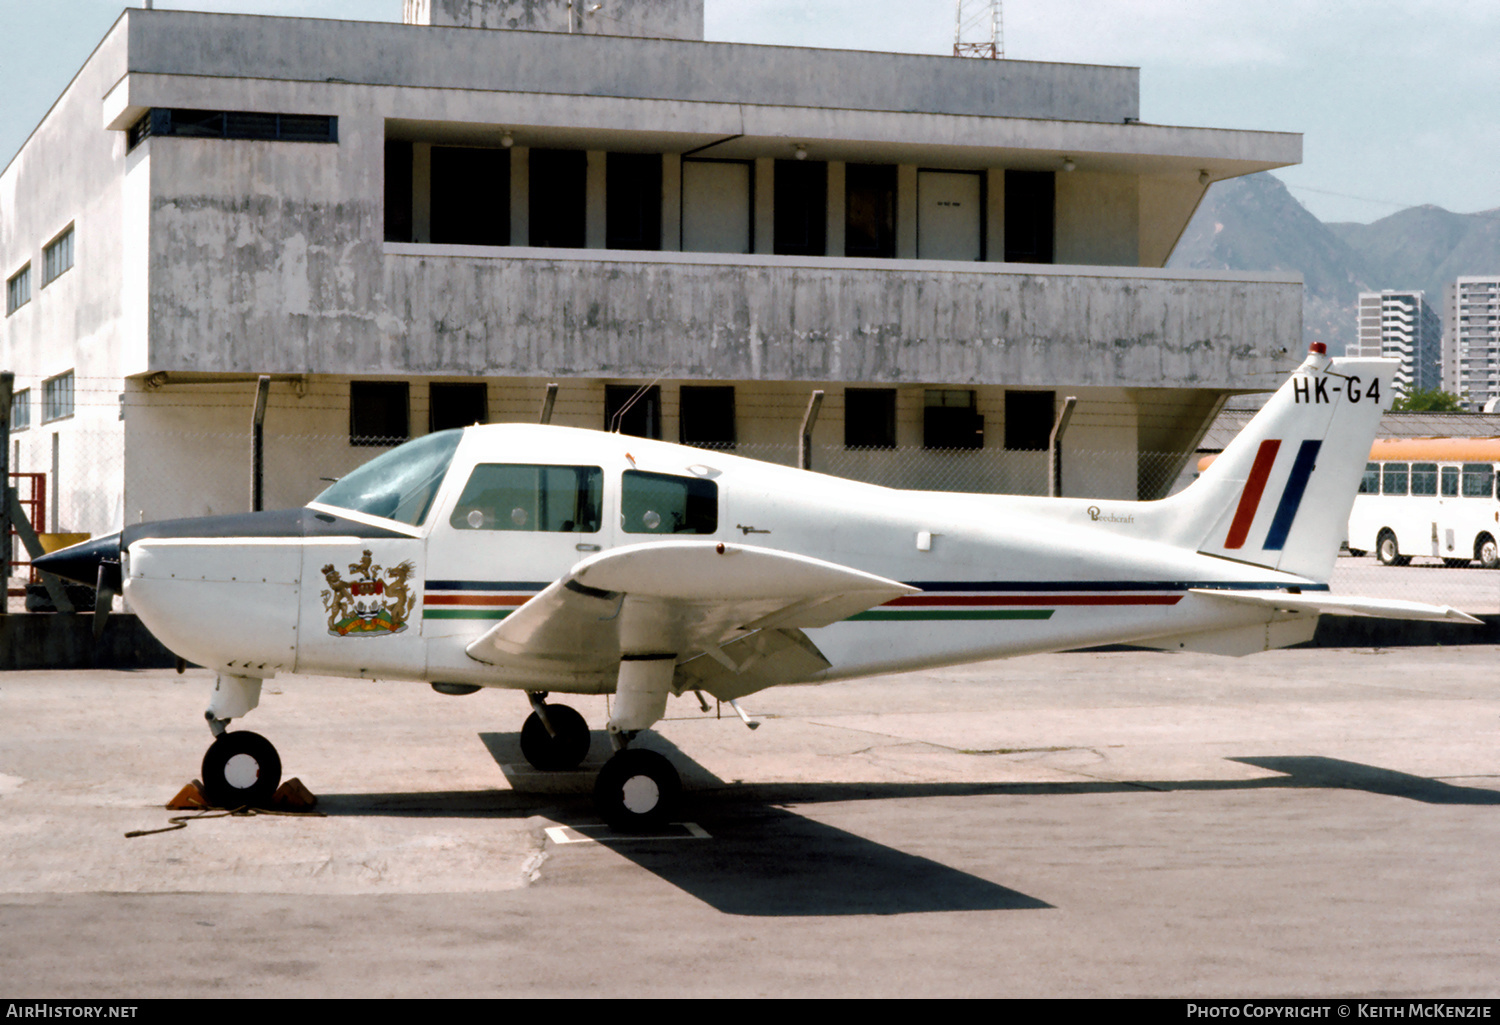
pixel 764 860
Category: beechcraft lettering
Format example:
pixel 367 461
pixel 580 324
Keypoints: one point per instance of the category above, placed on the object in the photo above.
pixel 1317 390
pixel 554 560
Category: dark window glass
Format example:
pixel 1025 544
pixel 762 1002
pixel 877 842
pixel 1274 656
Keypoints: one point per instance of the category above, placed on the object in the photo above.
pixel 457 405
pixel 398 184
pixel 801 208
pixel 18 290
pixel 869 418
pixel 1424 478
pixel 870 210
pixel 1450 482
pixel 632 201
pixel 705 416
pixel 57 397
pixel 1028 420
pixel 379 413
pixel 20 410
pixel 1030 216
pixel 1479 480
pixel 470 196
pixel 657 503
pixel 559 499
pixel 557 201
pixel 57 257
pixel 1369 484
pixel 234 124
pixel 1393 479
pixel 950 420
pixel 642 418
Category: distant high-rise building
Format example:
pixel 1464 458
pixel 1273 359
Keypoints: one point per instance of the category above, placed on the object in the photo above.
pixel 1472 339
pixel 1401 324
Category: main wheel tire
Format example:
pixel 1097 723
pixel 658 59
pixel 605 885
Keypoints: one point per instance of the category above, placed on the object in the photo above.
pixel 1487 552
pixel 241 769
pixel 1387 551
pixel 567 750
pixel 637 790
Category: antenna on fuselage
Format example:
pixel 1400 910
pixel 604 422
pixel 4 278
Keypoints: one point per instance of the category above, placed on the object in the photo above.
pixel 615 421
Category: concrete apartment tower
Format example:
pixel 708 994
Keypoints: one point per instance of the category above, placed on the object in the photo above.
pixel 1471 340
pixel 1402 325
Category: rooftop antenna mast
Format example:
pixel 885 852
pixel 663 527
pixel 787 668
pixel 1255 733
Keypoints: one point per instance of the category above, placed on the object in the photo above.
pixel 979 29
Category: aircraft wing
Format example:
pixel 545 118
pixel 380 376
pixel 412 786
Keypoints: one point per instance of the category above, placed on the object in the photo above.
pixel 1343 605
pixel 676 597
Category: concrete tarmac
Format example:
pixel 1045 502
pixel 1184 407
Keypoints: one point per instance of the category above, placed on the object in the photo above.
pixel 1297 823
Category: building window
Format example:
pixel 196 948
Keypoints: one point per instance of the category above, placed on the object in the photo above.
pixel 457 405
pixel 950 419
pixel 870 210
pixel 632 201
pixel 705 416
pixel 57 257
pixel 869 418
pixel 801 208
pixel 1028 420
pixel 630 409
pixel 557 202
pixel 398 186
pixel 20 410
pixel 1030 216
pixel 470 196
pixel 233 124
pixel 57 397
pixel 379 412
pixel 18 290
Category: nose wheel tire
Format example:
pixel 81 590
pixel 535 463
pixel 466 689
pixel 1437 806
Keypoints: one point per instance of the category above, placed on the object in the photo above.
pixel 240 769
pixel 637 790
pixel 567 750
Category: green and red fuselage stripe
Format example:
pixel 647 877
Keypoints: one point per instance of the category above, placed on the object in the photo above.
pixel 945 600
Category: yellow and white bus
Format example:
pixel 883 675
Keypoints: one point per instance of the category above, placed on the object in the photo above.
pixel 1429 497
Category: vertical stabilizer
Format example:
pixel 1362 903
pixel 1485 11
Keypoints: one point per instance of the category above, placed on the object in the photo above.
pixel 1280 494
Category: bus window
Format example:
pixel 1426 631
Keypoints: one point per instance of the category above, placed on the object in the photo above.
pixel 1479 480
pixel 1424 478
pixel 1369 484
pixel 1450 482
pixel 1393 479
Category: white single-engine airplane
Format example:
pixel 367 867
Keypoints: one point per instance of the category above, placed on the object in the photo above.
pixel 553 559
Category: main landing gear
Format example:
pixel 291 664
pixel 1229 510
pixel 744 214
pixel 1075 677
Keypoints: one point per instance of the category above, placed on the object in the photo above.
pixel 636 789
pixel 240 768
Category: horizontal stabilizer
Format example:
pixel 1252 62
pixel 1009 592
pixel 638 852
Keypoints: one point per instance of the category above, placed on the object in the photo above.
pixel 1343 605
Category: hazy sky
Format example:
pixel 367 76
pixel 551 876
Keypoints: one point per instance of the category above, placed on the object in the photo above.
pixel 1396 100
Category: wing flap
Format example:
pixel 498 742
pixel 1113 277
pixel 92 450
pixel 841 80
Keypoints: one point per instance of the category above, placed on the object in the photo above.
pixel 676 597
pixel 1343 605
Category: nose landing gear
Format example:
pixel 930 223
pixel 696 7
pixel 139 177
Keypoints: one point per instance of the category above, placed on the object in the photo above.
pixel 240 769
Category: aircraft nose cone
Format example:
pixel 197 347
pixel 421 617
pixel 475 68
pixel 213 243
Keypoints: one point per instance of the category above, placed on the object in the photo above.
pixel 81 562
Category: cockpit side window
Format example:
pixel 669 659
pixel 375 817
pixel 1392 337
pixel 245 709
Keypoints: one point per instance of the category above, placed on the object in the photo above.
pixel 659 503
pixel 399 485
pixel 507 496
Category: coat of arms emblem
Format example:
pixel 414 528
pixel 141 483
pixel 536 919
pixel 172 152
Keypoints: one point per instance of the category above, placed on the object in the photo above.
pixel 374 601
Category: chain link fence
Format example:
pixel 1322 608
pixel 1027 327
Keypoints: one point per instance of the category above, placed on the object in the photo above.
pixel 93 489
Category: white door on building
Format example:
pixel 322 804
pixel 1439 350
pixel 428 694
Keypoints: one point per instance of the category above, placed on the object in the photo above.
pixel 716 206
pixel 949 215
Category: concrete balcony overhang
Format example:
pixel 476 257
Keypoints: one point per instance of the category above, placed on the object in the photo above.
pixel 587 313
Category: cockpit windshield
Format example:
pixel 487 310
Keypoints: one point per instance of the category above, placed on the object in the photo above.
pixel 399 485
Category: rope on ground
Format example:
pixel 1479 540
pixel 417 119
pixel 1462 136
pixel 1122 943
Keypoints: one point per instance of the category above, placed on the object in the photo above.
pixel 245 811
